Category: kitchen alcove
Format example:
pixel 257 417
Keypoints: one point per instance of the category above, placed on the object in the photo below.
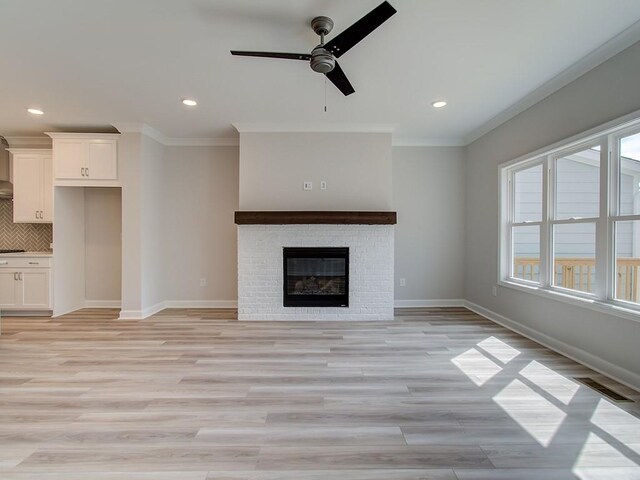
pixel 87 238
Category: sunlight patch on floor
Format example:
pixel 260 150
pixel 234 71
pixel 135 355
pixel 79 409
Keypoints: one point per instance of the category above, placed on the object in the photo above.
pixel 527 407
pixel 609 417
pixel 596 452
pixel 559 386
pixel 476 366
pixel 499 349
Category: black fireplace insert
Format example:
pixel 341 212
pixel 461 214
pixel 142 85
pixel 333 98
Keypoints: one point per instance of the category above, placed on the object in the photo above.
pixel 316 277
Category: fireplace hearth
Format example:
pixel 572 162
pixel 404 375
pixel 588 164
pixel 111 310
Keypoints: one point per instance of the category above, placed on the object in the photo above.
pixel 316 277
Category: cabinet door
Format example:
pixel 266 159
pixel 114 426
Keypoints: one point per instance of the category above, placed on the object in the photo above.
pixel 8 289
pixel 27 188
pixel 69 159
pixel 102 162
pixel 35 288
pixel 47 189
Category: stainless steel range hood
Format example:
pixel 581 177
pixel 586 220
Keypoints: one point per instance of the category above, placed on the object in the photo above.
pixel 6 188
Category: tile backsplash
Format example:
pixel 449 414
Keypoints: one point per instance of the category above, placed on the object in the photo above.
pixel 32 237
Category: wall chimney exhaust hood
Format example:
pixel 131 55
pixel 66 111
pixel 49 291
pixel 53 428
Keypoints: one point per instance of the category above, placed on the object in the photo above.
pixel 6 188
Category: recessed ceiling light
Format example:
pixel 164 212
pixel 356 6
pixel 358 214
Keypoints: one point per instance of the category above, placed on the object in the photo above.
pixel 439 104
pixel 35 111
pixel 189 102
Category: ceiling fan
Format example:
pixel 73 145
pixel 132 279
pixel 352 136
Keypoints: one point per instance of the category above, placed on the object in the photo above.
pixel 323 57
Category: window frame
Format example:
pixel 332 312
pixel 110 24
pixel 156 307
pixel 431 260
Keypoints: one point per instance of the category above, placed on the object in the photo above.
pixel 608 136
pixel 511 216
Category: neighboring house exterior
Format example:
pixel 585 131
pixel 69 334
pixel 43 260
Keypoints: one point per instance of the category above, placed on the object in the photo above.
pixel 577 180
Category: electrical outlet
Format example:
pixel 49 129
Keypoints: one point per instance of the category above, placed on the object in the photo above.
pixel 403 282
pixel 203 282
pixel 495 290
pixel 308 186
pixel 323 185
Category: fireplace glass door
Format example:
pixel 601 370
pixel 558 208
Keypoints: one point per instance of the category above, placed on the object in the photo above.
pixel 316 277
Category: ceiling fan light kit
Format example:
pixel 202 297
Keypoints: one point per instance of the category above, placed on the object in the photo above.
pixel 323 57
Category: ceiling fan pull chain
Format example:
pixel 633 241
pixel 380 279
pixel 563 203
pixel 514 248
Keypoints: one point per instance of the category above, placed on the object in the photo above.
pixel 325 94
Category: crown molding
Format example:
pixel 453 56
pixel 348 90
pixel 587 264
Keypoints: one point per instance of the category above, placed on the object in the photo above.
pixel 604 52
pixel 142 128
pixel 428 142
pixel 313 128
pixel 82 135
pixel 149 131
pixel 26 142
pixel 202 142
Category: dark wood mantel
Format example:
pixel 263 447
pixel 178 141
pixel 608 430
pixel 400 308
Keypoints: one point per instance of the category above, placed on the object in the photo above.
pixel 325 218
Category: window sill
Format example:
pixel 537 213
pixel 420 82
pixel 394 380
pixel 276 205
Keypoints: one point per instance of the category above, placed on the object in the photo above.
pixel 608 308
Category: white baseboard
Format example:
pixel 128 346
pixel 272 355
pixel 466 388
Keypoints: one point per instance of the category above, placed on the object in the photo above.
pixel 620 374
pixel 141 314
pixel 26 313
pixel 102 304
pixel 201 304
pixel 153 309
pixel 454 302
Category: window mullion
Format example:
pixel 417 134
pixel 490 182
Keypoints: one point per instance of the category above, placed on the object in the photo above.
pixel 545 243
pixel 603 239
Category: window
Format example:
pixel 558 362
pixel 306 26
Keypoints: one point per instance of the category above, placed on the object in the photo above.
pixel 626 220
pixel 570 217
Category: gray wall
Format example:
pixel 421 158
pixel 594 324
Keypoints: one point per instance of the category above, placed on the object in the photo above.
pixel 429 196
pixel 103 244
pixel 356 167
pixel 152 227
pixel 201 196
pixel 605 93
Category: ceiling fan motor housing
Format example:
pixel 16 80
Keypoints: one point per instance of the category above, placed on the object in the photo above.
pixel 322 60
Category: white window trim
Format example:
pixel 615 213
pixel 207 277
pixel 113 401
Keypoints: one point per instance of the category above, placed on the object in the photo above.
pixel 603 300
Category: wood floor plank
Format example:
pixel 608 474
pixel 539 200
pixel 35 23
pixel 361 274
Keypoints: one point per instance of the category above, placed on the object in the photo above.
pixel 436 394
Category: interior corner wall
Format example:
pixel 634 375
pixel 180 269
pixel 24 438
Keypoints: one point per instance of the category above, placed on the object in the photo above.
pixel 429 196
pixel 356 167
pixel 609 91
pixel 129 153
pixel 69 247
pixel 201 196
pixel 152 221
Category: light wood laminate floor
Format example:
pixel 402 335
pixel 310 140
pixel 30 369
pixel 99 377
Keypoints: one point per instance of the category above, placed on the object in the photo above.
pixel 439 394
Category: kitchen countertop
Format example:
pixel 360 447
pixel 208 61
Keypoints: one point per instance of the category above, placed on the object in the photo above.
pixel 28 254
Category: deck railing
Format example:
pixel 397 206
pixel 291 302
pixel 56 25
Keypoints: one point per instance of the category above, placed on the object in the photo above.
pixel 579 274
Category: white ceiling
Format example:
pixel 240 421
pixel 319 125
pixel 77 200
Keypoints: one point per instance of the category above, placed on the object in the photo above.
pixel 92 63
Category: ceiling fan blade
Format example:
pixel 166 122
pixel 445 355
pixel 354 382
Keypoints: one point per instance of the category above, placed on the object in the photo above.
pixel 355 33
pixel 290 56
pixel 340 80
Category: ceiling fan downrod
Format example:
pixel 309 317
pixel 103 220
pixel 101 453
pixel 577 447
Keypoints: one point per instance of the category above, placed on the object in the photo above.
pixel 322 61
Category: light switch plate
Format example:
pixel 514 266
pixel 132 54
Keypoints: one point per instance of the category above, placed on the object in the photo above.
pixel 308 185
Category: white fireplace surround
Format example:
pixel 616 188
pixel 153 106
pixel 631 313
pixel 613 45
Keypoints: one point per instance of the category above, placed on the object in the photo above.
pixel 260 270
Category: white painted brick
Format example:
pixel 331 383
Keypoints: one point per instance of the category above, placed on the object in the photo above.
pixel 260 270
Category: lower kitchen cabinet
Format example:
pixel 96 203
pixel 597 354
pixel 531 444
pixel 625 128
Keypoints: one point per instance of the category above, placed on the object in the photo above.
pixel 24 286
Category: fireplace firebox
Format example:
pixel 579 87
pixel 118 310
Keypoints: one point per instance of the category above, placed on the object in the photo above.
pixel 316 277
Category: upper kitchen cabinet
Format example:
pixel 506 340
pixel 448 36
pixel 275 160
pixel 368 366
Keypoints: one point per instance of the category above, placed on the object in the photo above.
pixel 32 185
pixel 85 159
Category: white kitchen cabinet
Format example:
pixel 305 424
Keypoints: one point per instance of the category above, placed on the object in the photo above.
pixel 32 185
pixel 9 297
pixel 25 283
pixel 85 159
